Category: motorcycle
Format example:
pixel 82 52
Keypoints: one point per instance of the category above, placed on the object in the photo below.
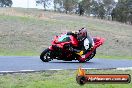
pixel 61 49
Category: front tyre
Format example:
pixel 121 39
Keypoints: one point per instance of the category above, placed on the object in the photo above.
pixel 45 55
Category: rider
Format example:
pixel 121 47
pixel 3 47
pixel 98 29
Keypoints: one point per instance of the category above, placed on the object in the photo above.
pixel 85 42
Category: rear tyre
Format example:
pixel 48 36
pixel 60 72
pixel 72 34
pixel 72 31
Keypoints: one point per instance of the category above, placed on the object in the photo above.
pixel 91 56
pixel 80 61
pixel 45 55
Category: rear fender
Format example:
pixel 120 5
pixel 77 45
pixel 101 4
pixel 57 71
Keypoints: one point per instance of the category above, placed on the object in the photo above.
pixel 99 41
pixel 83 57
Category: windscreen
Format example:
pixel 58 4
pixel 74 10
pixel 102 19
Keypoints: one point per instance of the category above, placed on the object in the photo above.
pixel 64 38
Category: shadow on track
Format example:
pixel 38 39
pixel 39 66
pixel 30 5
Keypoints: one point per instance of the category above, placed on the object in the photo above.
pixel 70 62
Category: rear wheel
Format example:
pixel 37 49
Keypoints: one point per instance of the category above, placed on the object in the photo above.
pixel 87 59
pixel 45 55
pixel 81 61
pixel 91 56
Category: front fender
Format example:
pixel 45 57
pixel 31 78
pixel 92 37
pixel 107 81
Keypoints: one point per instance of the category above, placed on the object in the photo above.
pixel 50 47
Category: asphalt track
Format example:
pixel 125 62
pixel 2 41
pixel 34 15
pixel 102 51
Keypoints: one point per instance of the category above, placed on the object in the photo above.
pixel 17 63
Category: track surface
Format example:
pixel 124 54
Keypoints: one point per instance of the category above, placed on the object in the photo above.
pixel 16 63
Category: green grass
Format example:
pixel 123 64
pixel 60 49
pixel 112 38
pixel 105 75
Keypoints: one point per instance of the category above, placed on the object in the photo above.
pixel 24 33
pixel 18 53
pixel 56 79
pixel 112 57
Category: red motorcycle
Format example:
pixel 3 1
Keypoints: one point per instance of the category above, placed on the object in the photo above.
pixel 61 49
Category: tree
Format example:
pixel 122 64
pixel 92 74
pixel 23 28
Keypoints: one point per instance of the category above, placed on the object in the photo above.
pixel 101 11
pixel 6 3
pixel 113 14
pixel 85 5
pixel 98 9
pixel 109 5
pixel 65 5
pixel 45 3
pixel 129 6
pixel 80 9
pixel 123 11
pixel 69 5
pixel 58 4
pixel 94 8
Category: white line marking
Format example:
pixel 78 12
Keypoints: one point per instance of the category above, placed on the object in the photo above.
pixel 126 68
pixel 6 71
pixel 26 70
pixel 89 68
pixel 19 71
pixel 56 69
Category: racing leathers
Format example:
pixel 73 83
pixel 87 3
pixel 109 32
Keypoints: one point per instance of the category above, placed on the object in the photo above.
pixel 81 47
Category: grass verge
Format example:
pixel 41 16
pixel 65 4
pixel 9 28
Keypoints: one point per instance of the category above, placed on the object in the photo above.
pixel 55 79
pixel 112 57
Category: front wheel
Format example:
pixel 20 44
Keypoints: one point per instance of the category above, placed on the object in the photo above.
pixel 45 55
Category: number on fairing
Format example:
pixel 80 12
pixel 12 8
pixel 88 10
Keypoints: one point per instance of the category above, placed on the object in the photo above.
pixel 86 43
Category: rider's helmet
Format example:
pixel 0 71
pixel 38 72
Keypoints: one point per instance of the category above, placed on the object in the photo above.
pixel 82 34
